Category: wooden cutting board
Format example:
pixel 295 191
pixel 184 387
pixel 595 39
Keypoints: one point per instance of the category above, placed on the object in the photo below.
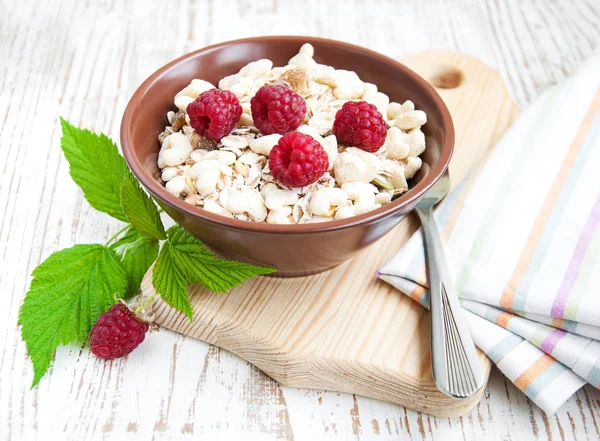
pixel 343 329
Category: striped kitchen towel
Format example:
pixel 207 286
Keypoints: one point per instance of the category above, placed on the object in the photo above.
pixel 522 238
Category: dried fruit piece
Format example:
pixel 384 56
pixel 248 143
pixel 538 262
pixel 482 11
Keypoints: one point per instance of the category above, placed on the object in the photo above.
pixel 297 79
pixel 178 121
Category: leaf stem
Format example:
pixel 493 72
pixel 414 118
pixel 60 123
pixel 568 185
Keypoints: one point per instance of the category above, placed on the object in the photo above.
pixel 143 305
pixel 116 235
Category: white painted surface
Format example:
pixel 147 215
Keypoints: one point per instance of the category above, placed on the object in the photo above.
pixel 83 60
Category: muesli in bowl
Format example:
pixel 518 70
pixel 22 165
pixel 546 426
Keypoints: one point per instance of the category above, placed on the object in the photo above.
pixel 295 144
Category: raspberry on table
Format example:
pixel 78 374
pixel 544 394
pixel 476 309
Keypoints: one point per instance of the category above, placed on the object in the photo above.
pixel 117 332
pixel 277 109
pixel 298 160
pixel 214 113
pixel 360 124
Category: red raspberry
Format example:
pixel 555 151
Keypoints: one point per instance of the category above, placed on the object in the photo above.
pixel 277 109
pixel 298 160
pixel 360 124
pixel 117 332
pixel 214 113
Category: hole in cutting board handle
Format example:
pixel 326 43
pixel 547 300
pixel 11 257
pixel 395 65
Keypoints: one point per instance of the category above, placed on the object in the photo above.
pixel 448 77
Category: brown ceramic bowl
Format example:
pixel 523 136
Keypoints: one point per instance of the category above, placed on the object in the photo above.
pixel 293 249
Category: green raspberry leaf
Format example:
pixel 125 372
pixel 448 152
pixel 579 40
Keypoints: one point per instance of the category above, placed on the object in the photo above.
pixel 130 235
pixel 96 166
pixel 170 281
pixel 137 253
pixel 69 290
pixel 140 210
pixel 185 260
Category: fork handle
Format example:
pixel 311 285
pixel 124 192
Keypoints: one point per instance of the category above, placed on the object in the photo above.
pixel 454 360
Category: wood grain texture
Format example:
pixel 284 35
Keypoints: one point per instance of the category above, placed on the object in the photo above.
pixel 345 330
pixel 83 60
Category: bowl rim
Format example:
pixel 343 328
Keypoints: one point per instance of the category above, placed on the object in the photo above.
pixel 158 191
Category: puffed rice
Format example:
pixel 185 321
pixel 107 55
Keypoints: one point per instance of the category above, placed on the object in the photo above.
pixel 232 178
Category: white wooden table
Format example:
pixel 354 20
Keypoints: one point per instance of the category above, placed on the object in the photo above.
pixel 83 60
